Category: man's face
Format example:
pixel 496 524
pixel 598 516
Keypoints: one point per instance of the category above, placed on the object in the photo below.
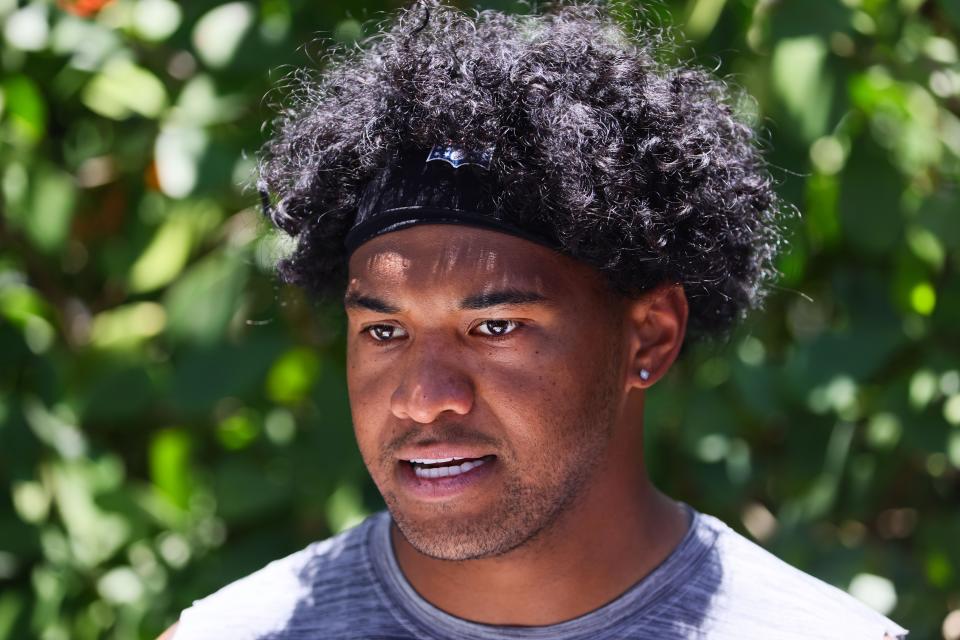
pixel 485 375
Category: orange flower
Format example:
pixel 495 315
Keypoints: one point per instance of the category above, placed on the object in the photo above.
pixel 83 8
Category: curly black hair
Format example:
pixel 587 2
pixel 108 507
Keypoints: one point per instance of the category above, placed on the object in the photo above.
pixel 642 168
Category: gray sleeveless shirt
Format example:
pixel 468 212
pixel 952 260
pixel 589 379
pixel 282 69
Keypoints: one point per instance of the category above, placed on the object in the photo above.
pixel 716 585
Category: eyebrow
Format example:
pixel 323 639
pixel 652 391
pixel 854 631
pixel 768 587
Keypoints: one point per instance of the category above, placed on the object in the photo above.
pixel 501 297
pixel 354 300
pixel 477 301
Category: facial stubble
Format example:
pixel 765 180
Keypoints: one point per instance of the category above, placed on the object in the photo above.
pixel 524 509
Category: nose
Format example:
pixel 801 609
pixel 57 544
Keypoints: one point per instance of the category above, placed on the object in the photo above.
pixel 432 382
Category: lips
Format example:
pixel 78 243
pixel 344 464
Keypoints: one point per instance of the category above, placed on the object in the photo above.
pixel 442 477
pixel 433 468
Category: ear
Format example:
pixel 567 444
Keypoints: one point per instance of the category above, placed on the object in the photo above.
pixel 656 326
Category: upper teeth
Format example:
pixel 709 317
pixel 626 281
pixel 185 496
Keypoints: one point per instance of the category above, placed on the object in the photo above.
pixel 434 460
pixel 448 471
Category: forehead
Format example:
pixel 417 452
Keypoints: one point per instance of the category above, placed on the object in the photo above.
pixel 435 258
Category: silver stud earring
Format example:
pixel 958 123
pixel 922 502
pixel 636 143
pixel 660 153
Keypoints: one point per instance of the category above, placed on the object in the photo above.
pixel 644 374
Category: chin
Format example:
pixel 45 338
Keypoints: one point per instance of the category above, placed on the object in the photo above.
pixel 444 532
pixel 464 539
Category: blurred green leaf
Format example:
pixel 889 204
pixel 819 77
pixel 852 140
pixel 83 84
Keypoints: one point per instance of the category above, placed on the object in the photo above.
pixel 165 256
pixel 794 19
pixel 156 20
pixel 801 79
pixel 88 44
pixel 11 607
pixel 178 153
pixel 348 31
pixel 200 103
pixel 128 325
pixel 870 195
pixel 170 471
pixel 43 206
pixel 94 535
pixel 205 375
pixel 821 214
pixel 218 34
pixel 123 89
pixel 23 104
pixel 28 28
pixel 20 303
pixel 292 376
pixel 240 430
pixel 201 304
pixel 345 508
pixel 118 395
pixel 939 214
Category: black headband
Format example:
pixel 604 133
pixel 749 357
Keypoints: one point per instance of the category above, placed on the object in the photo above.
pixel 447 184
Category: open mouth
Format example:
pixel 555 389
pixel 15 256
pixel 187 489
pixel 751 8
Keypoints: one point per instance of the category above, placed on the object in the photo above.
pixel 433 468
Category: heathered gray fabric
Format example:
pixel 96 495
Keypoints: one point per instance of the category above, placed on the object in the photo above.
pixel 716 585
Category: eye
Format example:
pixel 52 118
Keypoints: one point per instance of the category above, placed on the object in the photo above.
pixel 384 332
pixel 498 328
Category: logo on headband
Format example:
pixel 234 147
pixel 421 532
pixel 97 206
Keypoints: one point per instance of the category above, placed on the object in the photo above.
pixel 458 156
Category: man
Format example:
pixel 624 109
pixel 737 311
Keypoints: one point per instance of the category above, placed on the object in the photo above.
pixel 524 216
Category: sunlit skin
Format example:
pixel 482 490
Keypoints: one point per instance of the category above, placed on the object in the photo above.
pixel 484 344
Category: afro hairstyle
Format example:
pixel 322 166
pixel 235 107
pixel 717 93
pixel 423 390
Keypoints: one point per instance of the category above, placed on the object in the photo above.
pixel 642 168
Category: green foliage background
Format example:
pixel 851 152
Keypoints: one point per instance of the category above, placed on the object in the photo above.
pixel 171 419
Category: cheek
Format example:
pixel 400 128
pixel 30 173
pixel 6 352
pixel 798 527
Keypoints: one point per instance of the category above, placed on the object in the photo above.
pixel 547 389
pixel 534 394
pixel 368 379
pixel 523 387
pixel 549 368
pixel 369 397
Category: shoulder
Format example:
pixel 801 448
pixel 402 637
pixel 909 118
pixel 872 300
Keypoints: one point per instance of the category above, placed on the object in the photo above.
pixel 756 585
pixel 263 604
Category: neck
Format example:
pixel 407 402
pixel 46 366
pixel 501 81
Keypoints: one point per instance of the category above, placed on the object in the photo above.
pixel 617 531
